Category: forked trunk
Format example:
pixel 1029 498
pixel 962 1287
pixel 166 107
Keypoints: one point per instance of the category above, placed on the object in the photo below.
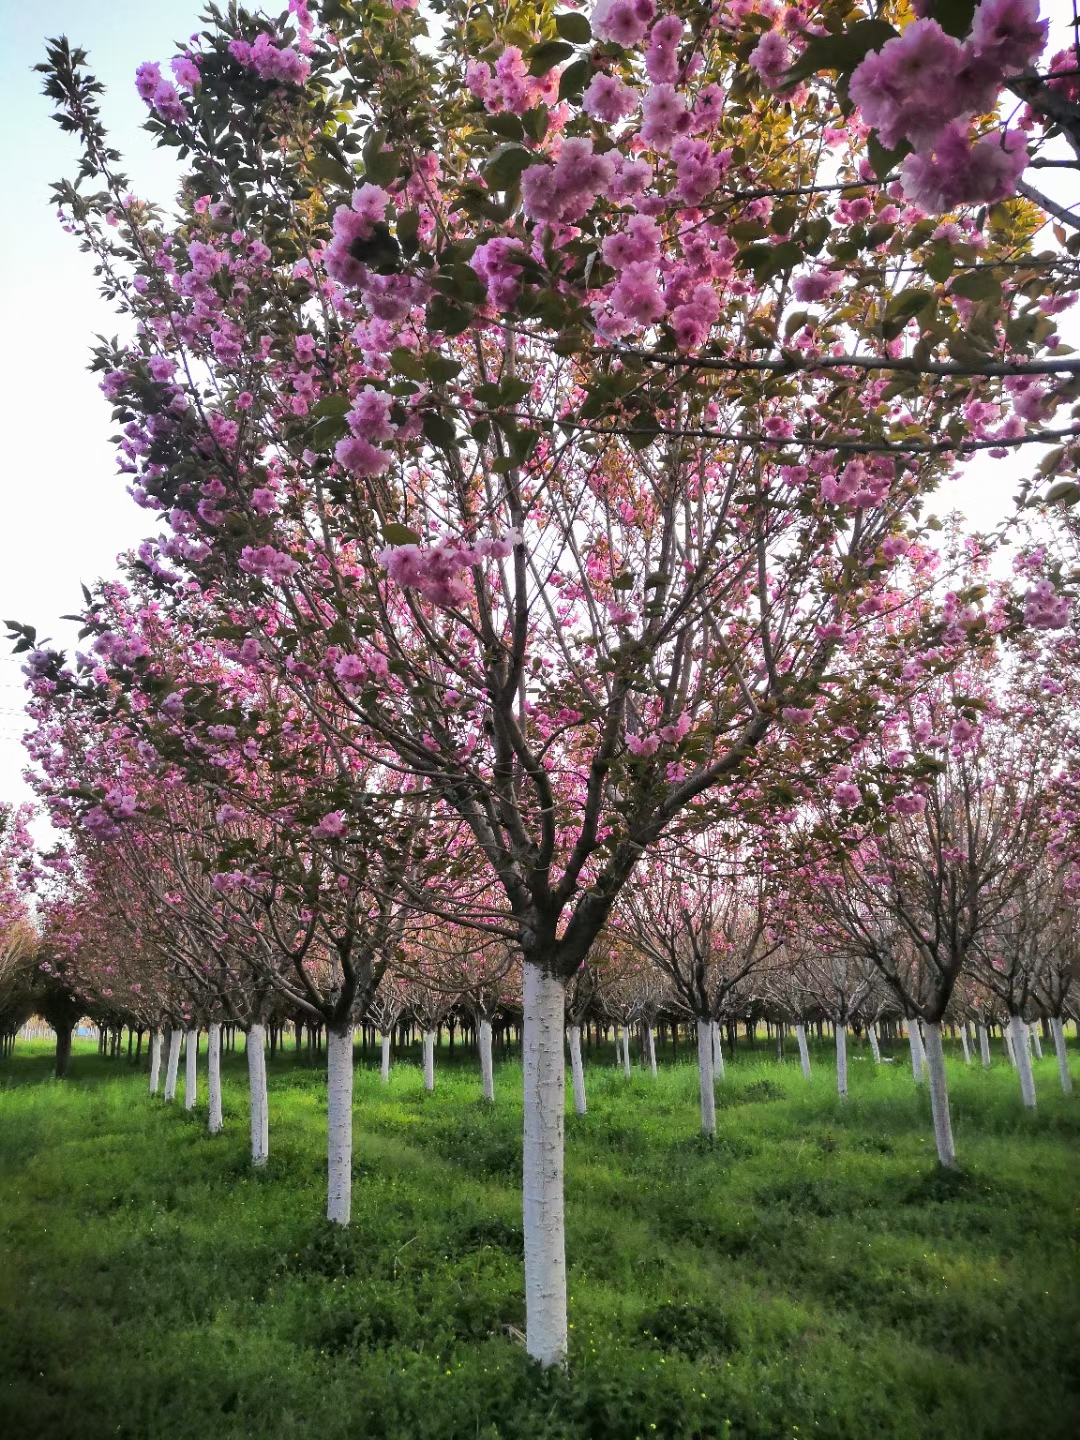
pixel 939 1096
pixel 155 1059
pixel 706 1083
pixel 543 998
pixel 487 1072
pixel 875 1047
pixel 173 1064
pixel 213 1076
pixel 429 1060
pixel 385 1069
pixel 1022 1052
pixel 1057 1029
pixel 339 1083
pixel 260 1115
pixel 191 1069
pixel 984 1044
pixel 841 1060
pixel 804 1049
pixel 577 1070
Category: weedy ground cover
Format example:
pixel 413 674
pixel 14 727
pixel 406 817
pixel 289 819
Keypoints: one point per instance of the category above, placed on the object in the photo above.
pixel 811 1272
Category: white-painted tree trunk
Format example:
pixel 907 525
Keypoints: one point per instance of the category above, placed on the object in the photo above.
pixel 1036 1039
pixel 964 1042
pixel 918 1055
pixel 213 1075
pixel 385 1070
pixel 487 1070
pixel 155 1059
pixel 1022 1052
pixel 577 1071
pixel 841 1060
pixel 1010 1043
pixel 543 1003
pixel 875 1047
pixel 625 1050
pixel 705 1076
pixel 172 1065
pixel 260 1114
pixel 1057 1029
pixel 429 1060
pixel 650 1048
pixel 984 1044
pixel 939 1096
pixel 804 1049
pixel 717 1052
pixel 191 1069
pixel 339 1090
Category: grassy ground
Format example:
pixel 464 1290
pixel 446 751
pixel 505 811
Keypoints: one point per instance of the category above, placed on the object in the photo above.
pixel 809 1273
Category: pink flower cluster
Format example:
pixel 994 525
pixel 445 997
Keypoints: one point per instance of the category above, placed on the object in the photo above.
pixel 267 563
pixel 623 22
pixel 924 86
pixel 771 57
pixel 160 94
pixel 350 224
pixel 510 86
pixel 564 192
pixel 1044 608
pixel 270 61
pixel 499 273
pixel 369 421
pixel 643 746
pixel 861 483
pixel 437 572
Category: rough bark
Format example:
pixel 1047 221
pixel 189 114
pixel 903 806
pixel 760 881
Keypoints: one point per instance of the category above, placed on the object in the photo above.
pixel 918 1055
pixel 875 1046
pixel 964 1043
pixel 339 1081
pixel 625 1035
pixel 542 1179
pixel 260 1115
pixel 650 1048
pixel 717 1052
pixel 939 1096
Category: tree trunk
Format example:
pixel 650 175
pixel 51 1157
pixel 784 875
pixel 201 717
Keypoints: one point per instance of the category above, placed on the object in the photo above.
pixel 155 1059
pixel 577 1071
pixel 984 1044
pixel 841 1060
pixel 1058 1032
pixel 706 1042
pixel 191 1069
pixel 804 1049
pixel 1036 1041
pixel 1022 1054
pixel 63 1051
pixel 964 1043
pixel 260 1115
pixel 918 1055
pixel 717 1052
pixel 487 1073
pixel 542 1190
pixel 625 1033
pixel 650 1048
pixel 213 1076
pixel 173 1064
pixel 385 1071
pixel 429 1060
pixel 875 1046
pixel 339 1080
pixel 939 1096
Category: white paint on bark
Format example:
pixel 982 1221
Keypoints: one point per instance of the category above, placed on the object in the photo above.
pixel 918 1054
pixel 429 1060
pixel 155 1059
pixel 964 1043
pixel 191 1069
pixel 339 1088
pixel 260 1114
pixel 939 1095
pixel 875 1047
pixel 487 1070
pixel 804 1049
pixel 577 1071
pixel 1057 1029
pixel 1010 1043
pixel 385 1068
pixel 213 1075
pixel 984 1044
pixel 543 1003
pixel 705 1077
pixel 172 1066
pixel 1022 1052
pixel 1036 1039
pixel 841 1060
pixel 717 1052
pixel 650 1048
pixel 625 1050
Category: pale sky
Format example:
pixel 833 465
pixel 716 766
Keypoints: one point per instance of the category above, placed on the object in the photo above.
pixel 64 513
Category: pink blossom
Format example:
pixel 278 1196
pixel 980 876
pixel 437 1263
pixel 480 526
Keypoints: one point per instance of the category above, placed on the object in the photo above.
pixel 360 457
pixel 499 273
pixel 817 286
pixel 847 795
pixel 608 99
pixel 1008 33
pixel 771 57
pixel 958 172
pixel 352 224
pixel 623 22
pixel 330 827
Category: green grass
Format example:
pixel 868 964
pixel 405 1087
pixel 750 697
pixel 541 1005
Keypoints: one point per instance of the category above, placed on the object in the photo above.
pixel 809 1273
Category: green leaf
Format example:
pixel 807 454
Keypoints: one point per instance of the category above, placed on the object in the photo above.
pixel 940 262
pixel 980 284
pixel 625 581
pixel 441 368
pixel 439 430
pixel 505 167
pixel 327 168
pixel 885 161
pixel 841 52
pixel 547 55
pixel 954 16
pixel 1063 492
pixel 902 308
pixel 407 362
pixel 573 27
pixel 396 534
pixel 535 122
pixel 331 405
pixel 573 80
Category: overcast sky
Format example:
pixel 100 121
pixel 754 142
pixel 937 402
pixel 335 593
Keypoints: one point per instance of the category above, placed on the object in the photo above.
pixel 64 513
